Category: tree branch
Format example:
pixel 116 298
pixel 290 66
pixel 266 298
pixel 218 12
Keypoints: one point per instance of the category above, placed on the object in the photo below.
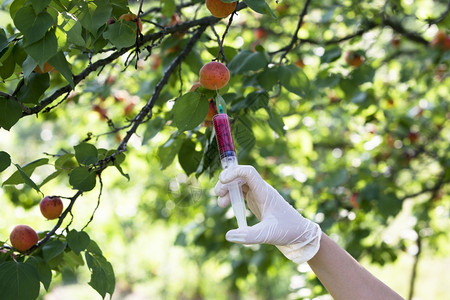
pixel 295 36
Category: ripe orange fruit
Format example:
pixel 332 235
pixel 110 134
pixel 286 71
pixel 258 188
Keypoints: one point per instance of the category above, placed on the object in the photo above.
pixel 23 237
pixel 354 59
pixel 195 86
pixel 214 75
pixel 47 68
pixel 133 18
pixel 51 207
pixel 220 9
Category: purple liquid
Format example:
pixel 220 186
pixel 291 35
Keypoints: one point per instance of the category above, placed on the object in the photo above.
pixel 223 135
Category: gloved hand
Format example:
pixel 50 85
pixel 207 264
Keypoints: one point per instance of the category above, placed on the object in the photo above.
pixel 280 224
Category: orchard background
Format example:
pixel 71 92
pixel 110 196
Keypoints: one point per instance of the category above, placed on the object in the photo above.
pixel 343 106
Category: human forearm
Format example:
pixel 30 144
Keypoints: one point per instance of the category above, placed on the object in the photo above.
pixel 344 277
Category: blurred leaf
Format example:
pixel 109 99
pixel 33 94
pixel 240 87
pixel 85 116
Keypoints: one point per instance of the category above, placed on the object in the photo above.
pixel 261 7
pixel 168 7
pixel 169 150
pixel 244 134
pixel 153 127
pixel 294 80
pixel 331 54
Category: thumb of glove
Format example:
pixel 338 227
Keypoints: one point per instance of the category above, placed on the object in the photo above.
pixel 256 234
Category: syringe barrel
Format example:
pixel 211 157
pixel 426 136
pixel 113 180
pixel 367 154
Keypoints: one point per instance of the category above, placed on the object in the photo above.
pixel 228 158
pixel 223 135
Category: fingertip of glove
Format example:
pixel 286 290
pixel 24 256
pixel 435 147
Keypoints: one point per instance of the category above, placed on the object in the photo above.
pixel 223 202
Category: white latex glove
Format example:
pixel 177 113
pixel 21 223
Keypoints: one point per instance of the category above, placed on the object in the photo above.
pixel 280 224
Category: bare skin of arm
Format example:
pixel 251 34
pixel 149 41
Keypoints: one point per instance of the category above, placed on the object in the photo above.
pixel 344 277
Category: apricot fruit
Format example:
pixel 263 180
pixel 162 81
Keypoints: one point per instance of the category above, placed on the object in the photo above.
pixel 212 111
pixel 23 237
pixel 195 86
pixel 214 75
pixel 133 18
pixel 220 9
pixel 354 59
pixel 51 207
pixel 47 68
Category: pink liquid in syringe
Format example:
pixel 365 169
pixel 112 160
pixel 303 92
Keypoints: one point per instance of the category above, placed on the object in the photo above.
pixel 223 135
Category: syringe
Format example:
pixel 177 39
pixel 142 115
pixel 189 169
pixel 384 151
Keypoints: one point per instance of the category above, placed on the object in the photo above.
pixel 229 159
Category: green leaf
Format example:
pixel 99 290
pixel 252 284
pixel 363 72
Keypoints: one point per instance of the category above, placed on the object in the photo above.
pixel 188 157
pixel 65 162
pixel 121 34
pixel 33 26
pixel 244 135
pixel 331 54
pixel 86 154
pixel 28 169
pixel 362 74
pixel 268 78
pixel 43 49
pixel 276 122
pixel 229 52
pixel 247 61
pixel 257 100
pixel 18 281
pixel 94 14
pixel 5 161
pixel 94 248
pixel 294 80
pixel 26 179
pixel 10 113
pixel 153 127
pixel 43 270
pixel 60 63
pixel 34 88
pixel 82 179
pixel 168 8
pixel 72 260
pixel 78 241
pixel 120 158
pixel 8 65
pixel 51 177
pixel 52 249
pixel 39 5
pixel 261 7
pixel 102 274
pixel 190 110
pixel 69 24
pixel 169 150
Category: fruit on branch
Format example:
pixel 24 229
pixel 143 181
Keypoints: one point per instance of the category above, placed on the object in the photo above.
pixel 413 136
pixel 47 68
pixel 260 33
pixel 220 9
pixel 441 40
pixel 299 63
pixel 51 207
pixel 133 18
pixel 101 111
pixel 354 58
pixel 175 20
pixel 214 75
pixel 212 111
pixel 23 237
pixel 395 42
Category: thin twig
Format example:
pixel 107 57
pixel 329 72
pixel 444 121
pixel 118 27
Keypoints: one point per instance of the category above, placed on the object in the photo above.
pixel 98 202
pixel 295 36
